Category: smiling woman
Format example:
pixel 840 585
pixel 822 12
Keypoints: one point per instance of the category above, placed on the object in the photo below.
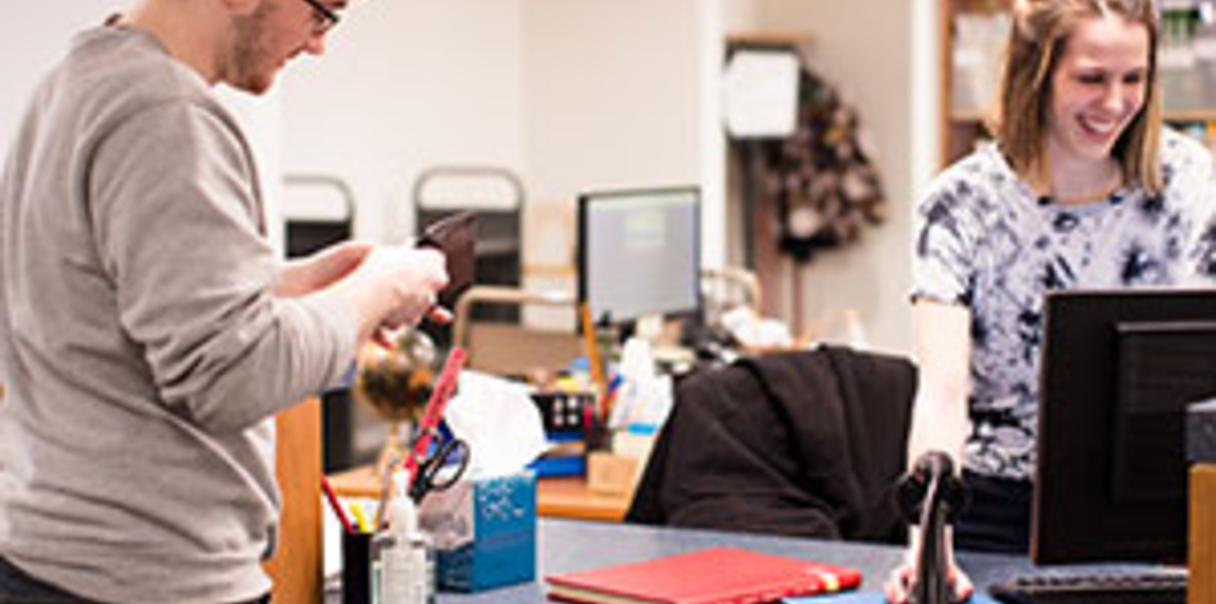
pixel 1082 188
pixel 1098 88
pixel 1082 67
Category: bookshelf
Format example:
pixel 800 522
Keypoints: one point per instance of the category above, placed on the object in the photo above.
pixel 973 39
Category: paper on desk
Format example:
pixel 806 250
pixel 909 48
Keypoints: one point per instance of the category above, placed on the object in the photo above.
pixel 499 421
pixel 645 397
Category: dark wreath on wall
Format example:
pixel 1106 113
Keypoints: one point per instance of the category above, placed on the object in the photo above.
pixel 821 178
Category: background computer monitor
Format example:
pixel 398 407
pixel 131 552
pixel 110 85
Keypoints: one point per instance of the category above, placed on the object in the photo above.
pixel 1119 369
pixel 639 253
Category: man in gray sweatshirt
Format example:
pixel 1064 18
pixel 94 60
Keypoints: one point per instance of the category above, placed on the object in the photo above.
pixel 148 331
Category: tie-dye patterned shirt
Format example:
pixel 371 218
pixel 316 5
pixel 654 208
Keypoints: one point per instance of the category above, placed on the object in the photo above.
pixel 984 240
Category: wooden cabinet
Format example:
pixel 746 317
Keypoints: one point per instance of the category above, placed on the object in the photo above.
pixel 1201 588
pixel 296 567
pixel 973 38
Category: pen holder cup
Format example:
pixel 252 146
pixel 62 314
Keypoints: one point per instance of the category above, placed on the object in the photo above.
pixel 356 568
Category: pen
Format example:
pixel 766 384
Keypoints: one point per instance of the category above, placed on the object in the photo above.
pixel 360 517
pixel 386 491
pixel 593 352
pixel 614 387
pixel 333 503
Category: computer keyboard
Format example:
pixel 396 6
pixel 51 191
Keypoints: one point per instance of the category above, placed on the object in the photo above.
pixel 1155 586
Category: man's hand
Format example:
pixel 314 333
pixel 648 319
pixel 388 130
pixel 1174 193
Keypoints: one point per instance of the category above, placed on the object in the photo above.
pixel 394 287
pixel 319 270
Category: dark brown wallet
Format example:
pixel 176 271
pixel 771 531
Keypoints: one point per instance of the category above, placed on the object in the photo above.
pixel 456 237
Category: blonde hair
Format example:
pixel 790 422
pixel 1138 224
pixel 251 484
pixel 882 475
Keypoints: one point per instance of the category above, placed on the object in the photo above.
pixel 1037 40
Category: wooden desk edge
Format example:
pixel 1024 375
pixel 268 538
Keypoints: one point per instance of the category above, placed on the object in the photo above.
pixel 555 497
pixel 570 498
pixel 1201 579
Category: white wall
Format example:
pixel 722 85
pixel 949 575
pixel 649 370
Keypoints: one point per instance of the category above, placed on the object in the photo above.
pixel 42 35
pixel 574 95
pixel 925 67
pixel 863 47
pixel 406 85
pixel 35 38
pixel 615 96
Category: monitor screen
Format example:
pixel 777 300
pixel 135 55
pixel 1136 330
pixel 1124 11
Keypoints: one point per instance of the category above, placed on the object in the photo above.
pixel 1119 369
pixel 639 253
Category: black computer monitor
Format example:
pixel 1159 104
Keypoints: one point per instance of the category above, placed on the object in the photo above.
pixel 1118 370
pixel 639 253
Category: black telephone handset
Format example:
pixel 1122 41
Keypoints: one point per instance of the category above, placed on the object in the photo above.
pixel 456 237
pixel 931 495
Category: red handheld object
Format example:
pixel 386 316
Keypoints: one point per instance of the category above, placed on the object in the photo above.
pixel 328 489
pixel 444 389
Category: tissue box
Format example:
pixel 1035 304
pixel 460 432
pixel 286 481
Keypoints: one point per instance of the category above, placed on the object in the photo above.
pixel 484 532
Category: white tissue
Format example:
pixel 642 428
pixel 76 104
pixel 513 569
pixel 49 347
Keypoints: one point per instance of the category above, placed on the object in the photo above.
pixel 754 331
pixel 644 397
pixel 499 421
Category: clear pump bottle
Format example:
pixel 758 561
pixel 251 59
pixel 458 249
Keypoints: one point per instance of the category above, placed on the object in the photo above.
pixel 406 562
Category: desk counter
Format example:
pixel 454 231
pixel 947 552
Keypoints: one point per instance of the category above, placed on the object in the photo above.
pixel 566 546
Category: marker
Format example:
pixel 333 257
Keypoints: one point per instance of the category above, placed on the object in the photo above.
pixel 593 356
pixel 333 503
pixel 439 314
pixel 360 517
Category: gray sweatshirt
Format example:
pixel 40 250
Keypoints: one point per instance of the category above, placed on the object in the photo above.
pixel 142 354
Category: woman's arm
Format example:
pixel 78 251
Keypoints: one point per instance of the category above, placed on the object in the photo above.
pixel 939 417
pixel 943 352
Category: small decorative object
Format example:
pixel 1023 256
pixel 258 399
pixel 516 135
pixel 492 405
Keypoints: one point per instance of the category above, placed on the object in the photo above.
pixel 397 383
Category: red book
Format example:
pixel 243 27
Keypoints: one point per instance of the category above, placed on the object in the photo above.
pixel 712 576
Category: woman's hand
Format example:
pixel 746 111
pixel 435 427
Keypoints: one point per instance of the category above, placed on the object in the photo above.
pixel 899 583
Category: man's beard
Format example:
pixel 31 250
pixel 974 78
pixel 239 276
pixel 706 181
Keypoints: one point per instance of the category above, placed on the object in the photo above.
pixel 246 63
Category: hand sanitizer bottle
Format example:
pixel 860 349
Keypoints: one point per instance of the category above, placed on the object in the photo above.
pixel 406 566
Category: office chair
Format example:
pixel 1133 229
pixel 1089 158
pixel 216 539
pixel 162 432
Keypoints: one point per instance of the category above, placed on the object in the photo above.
pixel 512 349
pixel 807 443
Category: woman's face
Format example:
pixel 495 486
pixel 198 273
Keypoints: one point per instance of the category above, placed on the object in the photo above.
pixel 1098 86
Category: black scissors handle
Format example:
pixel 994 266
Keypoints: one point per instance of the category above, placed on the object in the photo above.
pixel 429 470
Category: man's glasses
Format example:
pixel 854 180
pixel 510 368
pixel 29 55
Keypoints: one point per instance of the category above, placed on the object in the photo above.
pixel 324 18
